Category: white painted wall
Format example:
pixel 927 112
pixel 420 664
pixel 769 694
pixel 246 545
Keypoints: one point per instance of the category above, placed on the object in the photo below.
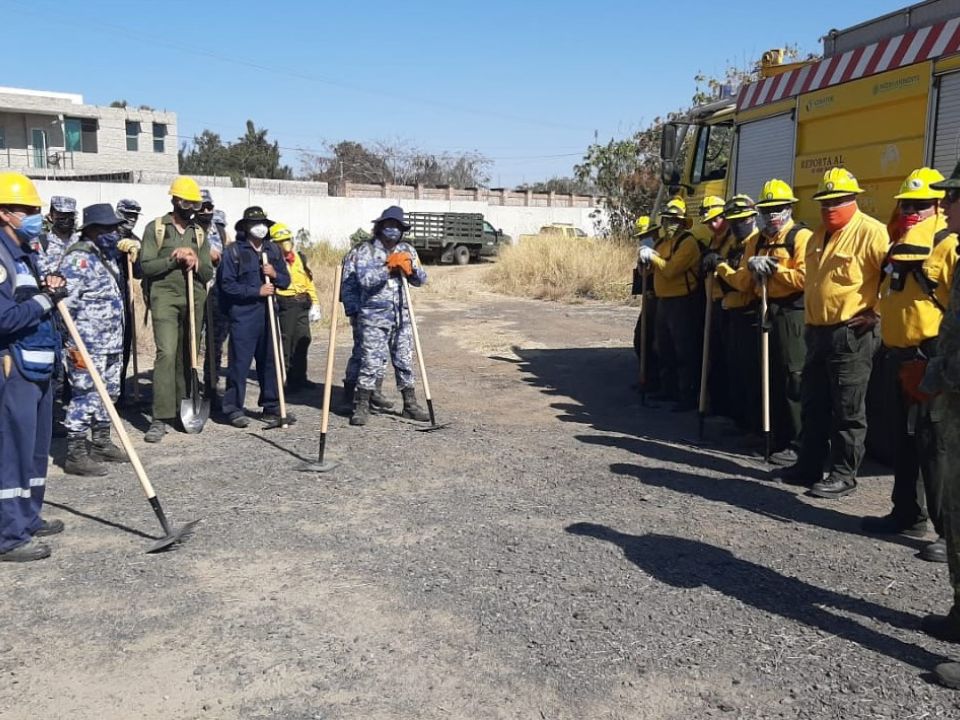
pixel 332 219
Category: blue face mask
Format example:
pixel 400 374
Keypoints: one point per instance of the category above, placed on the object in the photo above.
pixel 30 228
pixel 108 241
pixel 391 233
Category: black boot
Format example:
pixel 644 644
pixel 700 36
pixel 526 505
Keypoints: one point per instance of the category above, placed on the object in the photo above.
pixel 79 461
pixel 361 407
pixel 378 400
pixel 411 409
pixel 102 448
pixel 943 627
pixel 349 388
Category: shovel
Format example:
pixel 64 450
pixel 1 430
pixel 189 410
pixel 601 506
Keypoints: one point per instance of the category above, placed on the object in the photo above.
pixel 322 465
pixel 171 536
pixel 133 332
pixel 194 410
pixel 705 366
pixel 423 367
pixel 644 311
pixel 765 367
pixel 277 356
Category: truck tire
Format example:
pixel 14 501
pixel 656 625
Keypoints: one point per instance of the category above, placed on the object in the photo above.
pixel 461 255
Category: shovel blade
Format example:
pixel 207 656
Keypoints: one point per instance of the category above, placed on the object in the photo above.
pixel 194 410
pixel 175 537
pixel 432 428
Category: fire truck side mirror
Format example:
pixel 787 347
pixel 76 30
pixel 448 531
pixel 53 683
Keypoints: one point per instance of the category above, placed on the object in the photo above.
pixel 669 173
pixel 668 142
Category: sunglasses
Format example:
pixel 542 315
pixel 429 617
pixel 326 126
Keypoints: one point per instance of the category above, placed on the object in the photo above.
pixel 189 204
pixel 207 207
pixel 915 206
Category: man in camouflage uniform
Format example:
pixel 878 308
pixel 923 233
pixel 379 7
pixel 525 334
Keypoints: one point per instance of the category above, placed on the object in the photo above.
pixel 206 219
pixel 943 376
pixel 350 297
pixel 129 212
pixel 384 319
pixel 96 302
pixel 63 225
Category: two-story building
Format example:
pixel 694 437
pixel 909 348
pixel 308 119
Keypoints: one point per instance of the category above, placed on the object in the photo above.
pixel 55 135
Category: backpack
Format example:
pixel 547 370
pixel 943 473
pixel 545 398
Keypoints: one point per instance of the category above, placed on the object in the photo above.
pixel 902 268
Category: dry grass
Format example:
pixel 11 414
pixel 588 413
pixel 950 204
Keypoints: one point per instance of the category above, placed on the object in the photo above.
pixel 567 270
pixel 323 259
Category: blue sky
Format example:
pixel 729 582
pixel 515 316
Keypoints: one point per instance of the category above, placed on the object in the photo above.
pixel 525 83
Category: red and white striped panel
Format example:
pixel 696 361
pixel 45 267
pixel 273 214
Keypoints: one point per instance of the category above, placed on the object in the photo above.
pixel 911 47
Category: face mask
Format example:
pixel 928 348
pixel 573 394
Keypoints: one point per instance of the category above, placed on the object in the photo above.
pixel 391 234
pixel 908 221
pixel 108 241
pixel 836 217
pixel 30 228
pixel 205 219
pixel 775 222
pixel 670 227
pixel 185 214
pixel 258 231
pixel 742 228
pixel 65 224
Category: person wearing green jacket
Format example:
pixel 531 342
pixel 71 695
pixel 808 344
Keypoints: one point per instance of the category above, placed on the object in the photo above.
pixel 173 245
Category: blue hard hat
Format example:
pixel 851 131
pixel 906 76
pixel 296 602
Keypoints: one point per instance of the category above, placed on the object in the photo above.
pixel 394 212
pixel 100 214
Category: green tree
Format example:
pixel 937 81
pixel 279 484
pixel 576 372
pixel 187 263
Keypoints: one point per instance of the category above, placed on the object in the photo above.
pixel 562 185
pixel 251 155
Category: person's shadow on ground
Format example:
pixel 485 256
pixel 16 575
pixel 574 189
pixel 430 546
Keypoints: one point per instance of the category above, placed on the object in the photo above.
pixel 684 563
pixel 772 501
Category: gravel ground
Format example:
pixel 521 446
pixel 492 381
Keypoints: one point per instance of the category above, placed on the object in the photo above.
pixel 557 552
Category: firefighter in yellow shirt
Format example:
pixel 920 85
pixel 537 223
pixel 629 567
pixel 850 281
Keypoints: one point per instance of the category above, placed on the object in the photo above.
pixel 844 262
pixel 913 296
pixel 739 305
pixel 298 307
pixel 675 259
pixel 777 255
pixel 719 392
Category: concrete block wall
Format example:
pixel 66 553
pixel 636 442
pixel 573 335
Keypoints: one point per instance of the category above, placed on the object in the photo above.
pixel 326 218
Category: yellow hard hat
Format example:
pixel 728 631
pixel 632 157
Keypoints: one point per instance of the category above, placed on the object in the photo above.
pixel 280 233
pixel 185 188
pixel 710 208
pixel 917 185
pixel 675 208
pixel 776 192
pixel 837 182
pixel 17 189
pixel 739 206
pixel 644 226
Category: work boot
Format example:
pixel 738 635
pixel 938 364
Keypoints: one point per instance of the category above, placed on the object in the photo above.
pixel 942 627
pixel 892 525
pixel 784 458
pixel 102 448
pixel 378 401
pixel 49 527
pixel 31 550
pixel 935 551
pixel 361 407
pixel 948 674
pixel 833 488
pixel 156 431
pixel 411 409
pixel 272 420
pixel 347 399
pixel 79 461
pixel 796 475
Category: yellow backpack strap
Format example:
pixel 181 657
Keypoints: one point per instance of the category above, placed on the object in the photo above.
pixel 159 230
pixel 200 235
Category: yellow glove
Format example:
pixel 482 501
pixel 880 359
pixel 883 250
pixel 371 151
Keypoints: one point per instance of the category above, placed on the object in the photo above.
pixel 129 246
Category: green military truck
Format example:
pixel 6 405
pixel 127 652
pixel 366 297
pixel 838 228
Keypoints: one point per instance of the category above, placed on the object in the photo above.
pixel 453 237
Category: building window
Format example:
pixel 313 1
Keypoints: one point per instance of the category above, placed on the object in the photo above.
pixel 3 138
pixel 80 134
pixel 159 133
pixel 133 135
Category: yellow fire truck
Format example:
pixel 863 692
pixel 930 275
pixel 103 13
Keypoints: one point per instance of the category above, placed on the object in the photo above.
pixel 883 100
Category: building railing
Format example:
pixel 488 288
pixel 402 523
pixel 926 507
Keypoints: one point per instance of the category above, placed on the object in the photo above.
pixel 51 159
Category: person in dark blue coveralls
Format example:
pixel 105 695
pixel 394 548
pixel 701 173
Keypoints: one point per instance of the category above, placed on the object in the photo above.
pixel 29 348
pixel 242 279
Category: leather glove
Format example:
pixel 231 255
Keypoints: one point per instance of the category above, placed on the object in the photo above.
pixel 315 314
pixel 56 294
pixel 129 246
pixel 710 261
pixel 400 262
pixel 762 266
pixel 647 254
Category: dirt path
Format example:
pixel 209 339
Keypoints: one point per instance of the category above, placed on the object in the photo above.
pixel 559 552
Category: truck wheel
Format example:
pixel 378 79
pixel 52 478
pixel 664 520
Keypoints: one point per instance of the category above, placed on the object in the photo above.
pixel 461 255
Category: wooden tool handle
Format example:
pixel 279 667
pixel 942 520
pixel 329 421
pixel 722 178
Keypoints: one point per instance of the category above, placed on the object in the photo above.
pixel 764 356
pixel 193 320
pixel 331 347
pixel 643 328
pixel 277 361
pixel 133 331
pixel 416 338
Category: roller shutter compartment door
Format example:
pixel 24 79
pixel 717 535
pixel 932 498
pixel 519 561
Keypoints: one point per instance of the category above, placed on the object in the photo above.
pixel 765 151
pixel 946 143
